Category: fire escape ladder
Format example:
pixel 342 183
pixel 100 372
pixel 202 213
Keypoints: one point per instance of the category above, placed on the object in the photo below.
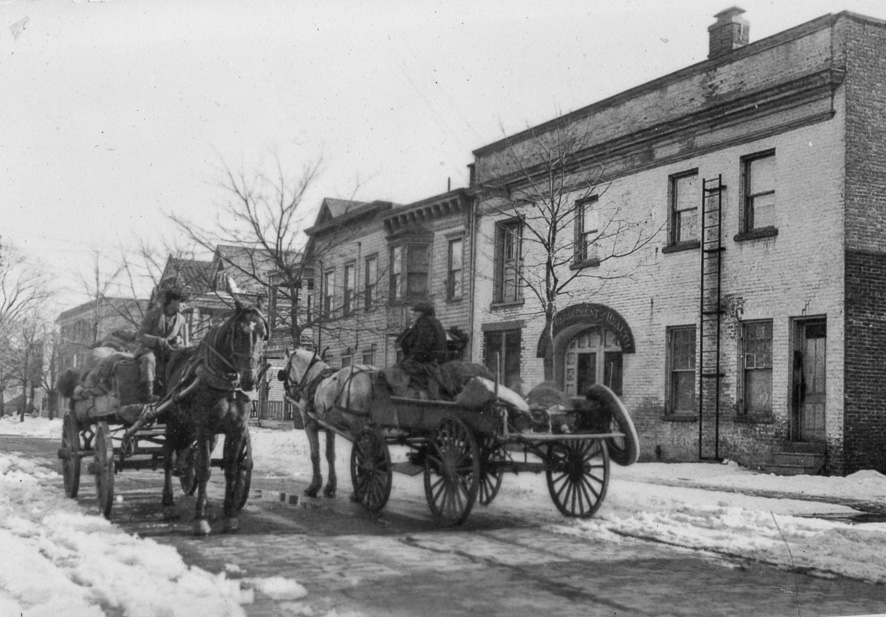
pixel 710 319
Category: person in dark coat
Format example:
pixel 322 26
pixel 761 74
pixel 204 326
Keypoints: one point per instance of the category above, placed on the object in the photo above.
pixel 161 331
pixel 425 340
pixel 424 349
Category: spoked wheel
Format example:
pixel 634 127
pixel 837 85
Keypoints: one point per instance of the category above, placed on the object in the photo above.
pixel 244 464
pixel 491 456
pixel 70 455
pixel 452 471
pixel 371 470
pixel 187 457
pixel 104 468
pixel 578 475
pixel 622 450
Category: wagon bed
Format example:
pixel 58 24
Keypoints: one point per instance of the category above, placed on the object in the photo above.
pixel 464 452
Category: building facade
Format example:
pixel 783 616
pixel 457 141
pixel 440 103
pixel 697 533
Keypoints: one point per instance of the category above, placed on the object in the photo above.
pixel 374 260
pixel 729 260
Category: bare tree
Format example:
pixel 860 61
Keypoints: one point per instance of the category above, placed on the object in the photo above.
pixel 566 225
pixel 24 289
pixel 263 217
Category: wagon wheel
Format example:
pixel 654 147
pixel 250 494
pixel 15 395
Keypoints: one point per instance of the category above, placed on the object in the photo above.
pixel 578 475
pixel 452 471
pixel 244 465
pixel 622 450
pixel 71 455
pixel 371 470
pixel 187 457
pixel 491 455
pixel 104 468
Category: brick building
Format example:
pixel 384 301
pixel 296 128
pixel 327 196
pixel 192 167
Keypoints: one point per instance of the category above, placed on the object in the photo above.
pixel 748 325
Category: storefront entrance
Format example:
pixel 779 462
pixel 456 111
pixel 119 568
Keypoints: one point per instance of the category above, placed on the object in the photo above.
pixel 593 356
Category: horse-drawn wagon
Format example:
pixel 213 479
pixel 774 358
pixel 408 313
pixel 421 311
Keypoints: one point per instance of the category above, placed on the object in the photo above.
pixel 208 394
pixel 464 451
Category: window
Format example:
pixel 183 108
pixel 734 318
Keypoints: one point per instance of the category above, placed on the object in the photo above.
pixel 409 271
pixel 587 221
pixel 350 288
pixel 328 291
pixel 756 368
pixel 346 361
pixel 684 207
pixel 681 370
pixel 369 356
pixel 759 190
pixel 370 282
pixel 453 269
pixel 505 343
pixel 508 261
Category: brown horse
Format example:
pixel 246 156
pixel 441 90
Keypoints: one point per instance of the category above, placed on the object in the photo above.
pixel 209 384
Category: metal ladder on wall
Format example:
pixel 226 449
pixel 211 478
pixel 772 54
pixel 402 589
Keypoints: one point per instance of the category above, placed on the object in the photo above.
pixel 710 319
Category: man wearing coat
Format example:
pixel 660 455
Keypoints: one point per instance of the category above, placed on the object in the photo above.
pixel 424 348
pixel 161 331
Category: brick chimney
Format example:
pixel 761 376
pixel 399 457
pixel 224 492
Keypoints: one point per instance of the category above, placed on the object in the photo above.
pixel 730 32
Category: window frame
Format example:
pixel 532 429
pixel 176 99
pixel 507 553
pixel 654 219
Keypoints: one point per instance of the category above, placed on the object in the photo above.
pixel 508 239
pixel 454 276
pixel 403 269
pixel 748 198
pixel 582 254
pixel 744 409
pixel 370 281
pixel 674 215
pixel 327 297
pixel 672 332
pixel 349 288
pixel 510 378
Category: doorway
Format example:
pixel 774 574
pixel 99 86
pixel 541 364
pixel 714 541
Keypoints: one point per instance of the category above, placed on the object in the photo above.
pixel 593 356
pixel 808 383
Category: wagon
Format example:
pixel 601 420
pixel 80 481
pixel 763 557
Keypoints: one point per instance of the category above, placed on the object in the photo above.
pixel 464 453
pixel 107 430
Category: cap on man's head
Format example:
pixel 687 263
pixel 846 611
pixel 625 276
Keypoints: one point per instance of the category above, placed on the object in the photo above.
pixel 423 306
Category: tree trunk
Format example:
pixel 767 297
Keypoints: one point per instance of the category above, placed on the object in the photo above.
pixel 549 346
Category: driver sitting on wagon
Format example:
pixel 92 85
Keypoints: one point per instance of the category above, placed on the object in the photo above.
pixel 162 330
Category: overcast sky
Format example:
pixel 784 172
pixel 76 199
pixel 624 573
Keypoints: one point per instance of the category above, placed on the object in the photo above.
pixel 113 114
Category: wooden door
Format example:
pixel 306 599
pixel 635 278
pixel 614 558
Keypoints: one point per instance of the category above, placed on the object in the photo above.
pixel 812 385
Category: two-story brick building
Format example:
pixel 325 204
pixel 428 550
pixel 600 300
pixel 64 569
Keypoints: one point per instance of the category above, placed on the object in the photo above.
pixel 752 327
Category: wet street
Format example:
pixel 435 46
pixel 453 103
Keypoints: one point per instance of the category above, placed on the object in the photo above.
pixel 399 563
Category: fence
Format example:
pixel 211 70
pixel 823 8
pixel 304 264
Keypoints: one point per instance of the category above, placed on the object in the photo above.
pixel 273 410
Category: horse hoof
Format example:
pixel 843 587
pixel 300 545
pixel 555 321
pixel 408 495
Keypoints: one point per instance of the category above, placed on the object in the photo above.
pixel 311 491
pixel 329 492
pixel 170 513
pixel 232 525
pixel 201 527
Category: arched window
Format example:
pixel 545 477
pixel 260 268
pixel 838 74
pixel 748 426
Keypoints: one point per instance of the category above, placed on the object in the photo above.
pixel 592 356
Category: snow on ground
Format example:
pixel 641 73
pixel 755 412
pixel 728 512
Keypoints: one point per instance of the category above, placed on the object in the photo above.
pixel 78 563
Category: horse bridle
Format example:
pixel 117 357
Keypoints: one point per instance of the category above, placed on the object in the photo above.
pixel 233 375
pixel 303 384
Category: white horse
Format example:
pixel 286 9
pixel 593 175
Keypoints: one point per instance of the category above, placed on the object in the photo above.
pixel 337 397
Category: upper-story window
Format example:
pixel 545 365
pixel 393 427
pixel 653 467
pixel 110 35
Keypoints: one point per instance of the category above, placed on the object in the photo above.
pixel 409 271
pixel 758 176
pixel 370 281
pixel 508 261
pixel 587 229
pixel 454 269
pixel 684 200
pixel 328 291
pixel 350 288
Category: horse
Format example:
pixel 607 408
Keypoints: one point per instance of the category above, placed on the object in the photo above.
pixel 322 392
pixel 208 385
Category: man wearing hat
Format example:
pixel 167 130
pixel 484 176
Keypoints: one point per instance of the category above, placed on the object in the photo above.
pixel 161 331
pixel 425 340
pixel 424 347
